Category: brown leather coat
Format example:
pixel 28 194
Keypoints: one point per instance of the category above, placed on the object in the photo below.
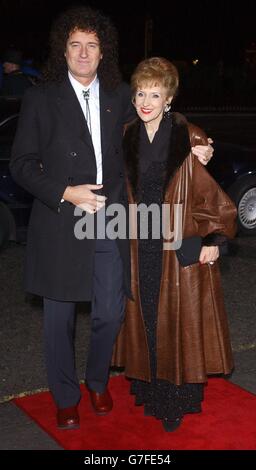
pixel 192 329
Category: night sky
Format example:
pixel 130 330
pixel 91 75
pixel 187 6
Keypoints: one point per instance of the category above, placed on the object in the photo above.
pixel 207 30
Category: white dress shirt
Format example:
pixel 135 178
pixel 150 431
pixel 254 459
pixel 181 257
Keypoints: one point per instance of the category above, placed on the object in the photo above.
pixel 94 104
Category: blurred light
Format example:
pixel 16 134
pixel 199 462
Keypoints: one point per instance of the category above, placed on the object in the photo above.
pixel 195 61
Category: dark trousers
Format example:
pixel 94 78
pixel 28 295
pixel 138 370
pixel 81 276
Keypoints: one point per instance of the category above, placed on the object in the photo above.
pixel 107 314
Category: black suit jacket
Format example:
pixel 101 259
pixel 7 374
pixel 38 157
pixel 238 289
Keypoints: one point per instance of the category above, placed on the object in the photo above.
pixel 53 149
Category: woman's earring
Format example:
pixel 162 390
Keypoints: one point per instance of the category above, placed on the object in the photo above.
pixel 167 110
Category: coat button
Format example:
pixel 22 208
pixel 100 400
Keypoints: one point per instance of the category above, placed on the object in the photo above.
pixel 121 174
pixel 73 154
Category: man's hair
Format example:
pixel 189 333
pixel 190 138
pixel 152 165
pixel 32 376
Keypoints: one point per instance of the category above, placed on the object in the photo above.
pixel 84 18
pixel 155 71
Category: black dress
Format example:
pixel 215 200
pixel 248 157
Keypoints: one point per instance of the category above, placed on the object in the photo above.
pixel 161 398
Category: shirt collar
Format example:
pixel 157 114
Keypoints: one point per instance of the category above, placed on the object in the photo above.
pixel 78 87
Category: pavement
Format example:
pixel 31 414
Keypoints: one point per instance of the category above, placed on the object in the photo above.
pixel 22 365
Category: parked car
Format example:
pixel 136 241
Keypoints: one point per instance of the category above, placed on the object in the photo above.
pixel 234 162
pixel 233 166
pixel 15 202
pixel 235 170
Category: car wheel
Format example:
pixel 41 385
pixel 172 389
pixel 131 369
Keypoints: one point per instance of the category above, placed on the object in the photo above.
pixel 4 224
pixel 244 196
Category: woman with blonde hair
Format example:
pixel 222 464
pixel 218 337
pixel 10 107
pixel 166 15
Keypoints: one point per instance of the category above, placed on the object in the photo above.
pixel 175 332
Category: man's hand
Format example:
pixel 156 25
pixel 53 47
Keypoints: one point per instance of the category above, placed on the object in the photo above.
pixel 84 197
pixel 204 152
pixel 209 254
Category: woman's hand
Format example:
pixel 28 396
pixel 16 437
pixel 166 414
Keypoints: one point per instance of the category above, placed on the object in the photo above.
pixel 204 152
pixel 209 254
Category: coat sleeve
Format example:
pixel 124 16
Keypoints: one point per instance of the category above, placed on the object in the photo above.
pixel 25 165
pixel 212 209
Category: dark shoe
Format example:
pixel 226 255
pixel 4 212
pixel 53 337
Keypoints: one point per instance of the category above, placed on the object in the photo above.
pixel 171 425
pixel 102 403
pixel 68 418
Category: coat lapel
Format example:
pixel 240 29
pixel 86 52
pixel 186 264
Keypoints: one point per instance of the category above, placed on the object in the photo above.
pixel 179 148
pixel 131 144
pixel 72 113
pixel 108 116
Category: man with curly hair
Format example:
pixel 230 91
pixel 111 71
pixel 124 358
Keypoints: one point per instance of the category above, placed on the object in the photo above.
pixel 68 152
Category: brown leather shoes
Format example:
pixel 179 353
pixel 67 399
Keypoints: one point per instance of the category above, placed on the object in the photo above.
pixel 68 418
pixel 102 403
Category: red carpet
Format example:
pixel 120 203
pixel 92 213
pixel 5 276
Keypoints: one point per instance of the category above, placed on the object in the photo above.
pixel 228 421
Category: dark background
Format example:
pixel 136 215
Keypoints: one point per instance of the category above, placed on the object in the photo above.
pixel 220 34
pixel 209 30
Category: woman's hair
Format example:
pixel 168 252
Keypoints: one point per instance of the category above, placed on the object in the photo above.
pixel 83 18
pixel 154 72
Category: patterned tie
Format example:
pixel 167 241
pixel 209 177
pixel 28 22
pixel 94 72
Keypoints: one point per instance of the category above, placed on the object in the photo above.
pixel 86 95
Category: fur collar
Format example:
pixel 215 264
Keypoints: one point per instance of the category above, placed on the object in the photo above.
pixel 179 148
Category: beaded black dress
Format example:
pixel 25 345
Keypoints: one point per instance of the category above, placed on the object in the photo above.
pixel 160 398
